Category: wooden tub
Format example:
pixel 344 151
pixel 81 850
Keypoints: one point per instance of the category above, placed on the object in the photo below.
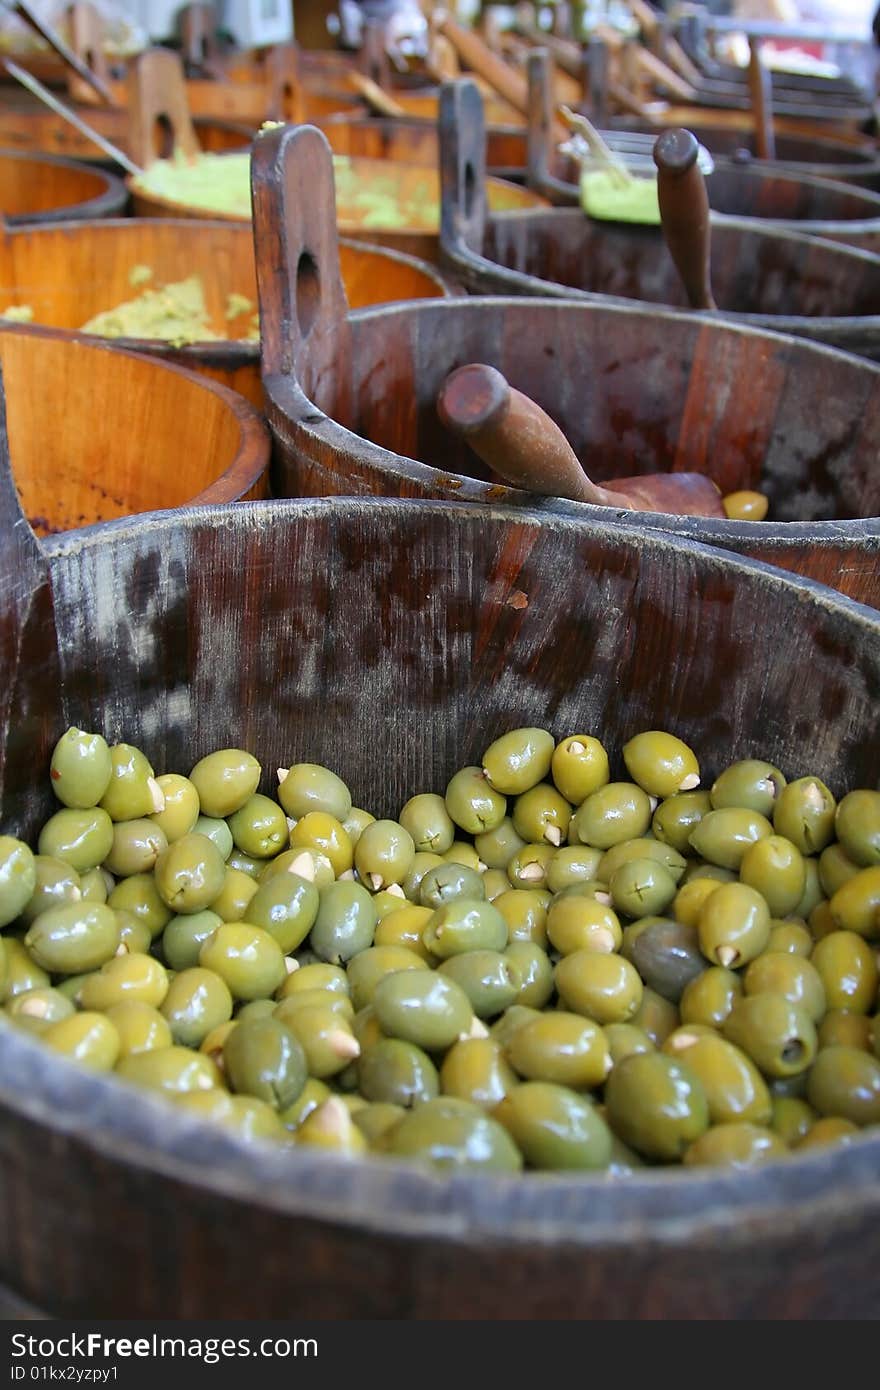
pixel 96 433
pixel 187 632
pixel 635 390
pixel 68 272
pixel 48 189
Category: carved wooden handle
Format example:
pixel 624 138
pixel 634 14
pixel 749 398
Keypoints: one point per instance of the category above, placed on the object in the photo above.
pixel 684 212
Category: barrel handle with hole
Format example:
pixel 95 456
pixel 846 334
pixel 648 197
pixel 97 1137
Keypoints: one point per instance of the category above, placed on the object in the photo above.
pixel 303 306
pixel 285 98
pixel 86 39
pixel 157 97
pixel 540 118
pixel 462 167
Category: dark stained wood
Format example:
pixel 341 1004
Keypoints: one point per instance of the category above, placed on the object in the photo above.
pixel 45 188
pixel 124 433
pixel 448 625
pixel 761 274
pixel 68 272
pixel 669 394
pixel 684 212
pixel 761 92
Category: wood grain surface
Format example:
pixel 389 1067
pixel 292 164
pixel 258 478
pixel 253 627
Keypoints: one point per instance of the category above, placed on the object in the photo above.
pixel 45 188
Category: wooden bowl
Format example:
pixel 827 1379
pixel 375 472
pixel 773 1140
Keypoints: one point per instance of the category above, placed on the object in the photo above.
pixel 635 391
pixel 188 632
pixel 68 272
pixel 96 433
pixel 762 275
pixel 412 187
pixel 47 189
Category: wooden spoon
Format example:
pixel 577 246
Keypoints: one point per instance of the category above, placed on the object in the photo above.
pixel 519 441
pixel 684 212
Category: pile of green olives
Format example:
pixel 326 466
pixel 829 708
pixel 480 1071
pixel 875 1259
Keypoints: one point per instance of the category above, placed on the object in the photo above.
pixel 541 968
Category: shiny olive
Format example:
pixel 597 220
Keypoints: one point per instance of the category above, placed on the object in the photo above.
pixel 828 1130
pixel 724 836
pixel 286 906
pixel 496 847
pixel 218 832
pixel 642 888
pixel 656 1016
pixel 503 1029
pixel 779 1036
pixel 80 768
pixel 259 827
pixel 845 1081
pixel 792 1119
pixel 580 923
pixel 313 1094
pixel 804 814
pixel 449 1134
pixel 184 937
pixel 821 922
pixel 490 981
pixel 318 975
pixel 656 1104
pixel 750 784
pixel 246 1117
pixel 775 868
pixel 309 787
pixel 665 953
pixel 445 883
pixel 225 780
pixel 533 971
pixel 572 864
pixel 542 814
pixel 345 923
pixel 140 1027
pixel 125 977
pixel 135 936
pixel 383 854
pixel 74 938
pixel 22 972
pixel 473 803
pixel 560 1047
pixel 427 821
pixel 579 767
pixel 55 883
pixel 309 864
pixel 246 958
pixel 475 1069
pixel 642 848
pixel 397 1072
pixel 132 790
pixel 423 1007
pixel 555 1128
pixel 740 1146
pixel 525 912
pixel 710 997
pixel 321 831
pixel 181 810
pixel 289 1005
pixel 857 826
pixel 495 882
pixel 460 852
pixel 355 823
pixel 423 861
pixel 37 1009
pixel 517 761
pixel 689 900
pixel 835 869
pixel 677 816
pixel 618 811
pixel 331 1126
pixel 367 968
pixel 792 977
pixel 197 1000
pixel 812 892
pixel 601 986
pixel 82 839
pixel 87 1038
pixel 262 1058
pixel 18 877
pixel 840 1028
pixel 699 869
pixel 528 867
pixel 661 764
pixel 246 864
pixel 174 1069
pixel 856 906
pixel 135 847
pixel 232 902
pixel 791 936
pixel 733 924
pixel 735 1089
pixel 404 928
pixel 190 874
pixel 624 1039
pixel 465 925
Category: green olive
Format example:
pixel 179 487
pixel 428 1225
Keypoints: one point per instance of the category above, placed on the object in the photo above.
pixel 734 924
pixel 579 767
pixel 735 1089
pixel 533 971
pixel 397 1072
pixel 488 978
pixel 503 1029
pixel 845 1081
pixel 555 1128
pixel 310 864
pixel 791 936
pixel 125 977
pixel 812 892
pixel 643 848
pixel 313 1094
pixel 656 1104
pixel 246 958
pixel 560 1047
pixel 572 864
pixel 173 1069
pixel 835 869
pixel 475 1069
pixel 840 1028
pixel 286 906
pixel 82 839
pixel 190 874
pixel 724 836
pixel 656 1016
pixel 804 813
pixel 750 785
pixel 848 970
pixel 473 803
pixel 617 811
pixel 740 1145
pixel 601 986
pixel 331 1126
pixel 446 883
pixel 22 972
pixel 460 852
pixel 181 810
pixel 383 854
pixel 828 1130
pixel 542 814
pixel 665 953
pixel 661 764
pixel 578 923
pixel 689 900
pixel 18 877
pixel 37 1009
pixel 496 847
pixel 321 831
pixel 218 832
pixel 309 787
pixel 87 1038
pixel 449 1134
pixel 517 761
pixel 197 1000
pixel 135 847
pixel 184 937
pixel 232 902
pixel 224 781
pixel 423 861
pixel 642 888
pixel 464 925
pixel 624 1039
pixel 80 769
pixel 525 911
pixel 710 997
pixel 792 1119
pixel 428 823
pixel 74 938
pixel 528 867
pixel 677 816
pixel 775 868
pixel 345 924
pixel 367 968
pixel 423 1007
pixel 56 884
pixel 857 826
pixel 404 928
pixel 259 827
pixel 317 975
pixel 132 790
pixel 792 977
pixel 495 882
pixel 779 1036
pixel 141 1027
pixel 262 1058
pixel 856 906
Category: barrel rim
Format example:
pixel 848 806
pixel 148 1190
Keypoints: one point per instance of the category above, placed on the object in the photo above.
pixel 111 200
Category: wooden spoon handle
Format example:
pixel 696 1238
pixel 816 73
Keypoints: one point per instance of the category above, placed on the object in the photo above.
pixel 684 212
pixel 761 96
pixel 513 435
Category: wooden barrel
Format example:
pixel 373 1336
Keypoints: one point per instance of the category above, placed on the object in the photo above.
pixel 38 130
pixel 410 191
pixel 413 140
pixel 96 433
pixel 762 275
pixel 447 626
pixel 69 272
pixel 49 189
pixel 635 390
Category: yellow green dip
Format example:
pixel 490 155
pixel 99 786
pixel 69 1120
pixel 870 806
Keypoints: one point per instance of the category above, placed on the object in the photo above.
pixel 175 314
pixel 605 198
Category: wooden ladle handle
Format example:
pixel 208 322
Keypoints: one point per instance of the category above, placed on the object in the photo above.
pixel 684 212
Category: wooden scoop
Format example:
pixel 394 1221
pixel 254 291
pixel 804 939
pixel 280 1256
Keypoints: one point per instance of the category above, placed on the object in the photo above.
pixel 684 212
pixel 519 442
